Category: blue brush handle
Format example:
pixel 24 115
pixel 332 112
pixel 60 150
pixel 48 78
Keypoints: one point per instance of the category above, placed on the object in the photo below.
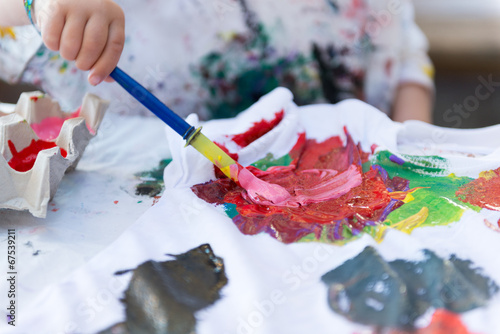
pixel 152 103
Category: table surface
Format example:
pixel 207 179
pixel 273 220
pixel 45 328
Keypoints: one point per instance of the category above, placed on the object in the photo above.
pixel 93 205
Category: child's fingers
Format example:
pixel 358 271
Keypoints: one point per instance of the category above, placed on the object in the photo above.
pixel 72 37
pixel 111 54
pixel 52 31
pixel 94 42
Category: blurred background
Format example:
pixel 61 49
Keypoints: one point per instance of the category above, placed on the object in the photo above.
pixel 464 37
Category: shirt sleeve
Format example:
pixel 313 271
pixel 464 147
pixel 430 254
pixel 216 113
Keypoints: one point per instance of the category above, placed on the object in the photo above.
pixel 416 66
pixel 18 46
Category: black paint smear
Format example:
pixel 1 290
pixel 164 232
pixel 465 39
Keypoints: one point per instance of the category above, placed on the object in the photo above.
pixel 162 297
pixel 333 5
pixel 371 291
pixel 152 181
pixel 337 80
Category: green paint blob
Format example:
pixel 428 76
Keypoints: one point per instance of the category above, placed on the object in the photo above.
pixel 438 189
pixel 152 181
pixel 270 161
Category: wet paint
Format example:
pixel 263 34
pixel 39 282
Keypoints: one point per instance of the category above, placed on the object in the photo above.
pixel 335 218
pixel 371 291
pixel 307 186
pixel 50 127
pixel 434 189
pixel 24 160
pixel 442 322
pixel 257 189
pixel 401 192
pixel 257 130
pixel 152 181
pixel 483 192
pixel 163 297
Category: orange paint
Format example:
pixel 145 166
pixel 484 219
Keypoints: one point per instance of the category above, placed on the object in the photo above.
pixel 443 322
pixel 483 192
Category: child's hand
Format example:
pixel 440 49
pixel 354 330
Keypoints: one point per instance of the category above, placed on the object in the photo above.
pixel 91 32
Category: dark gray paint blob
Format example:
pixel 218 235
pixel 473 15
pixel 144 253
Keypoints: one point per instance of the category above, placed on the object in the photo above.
pixel 371 291
pixel 163 297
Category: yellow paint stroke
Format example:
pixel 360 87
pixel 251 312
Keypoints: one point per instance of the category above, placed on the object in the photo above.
pixel 405 196
pixel 488 175
pixel 407 225
pixel 7 31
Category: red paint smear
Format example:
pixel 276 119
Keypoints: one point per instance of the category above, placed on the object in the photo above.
pixel 257 130
pixel 482 192
pixel 443 322
pixel 116 202
pixel 55 210
pixel 34 98
pixel 364 204
pixel 24 160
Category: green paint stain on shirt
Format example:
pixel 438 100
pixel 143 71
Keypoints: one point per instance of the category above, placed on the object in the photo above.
pixel 270 161
pixel 152 181
pixel 437 191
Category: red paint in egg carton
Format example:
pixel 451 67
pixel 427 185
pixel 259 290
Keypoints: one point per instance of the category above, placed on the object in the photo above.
pixel 24 160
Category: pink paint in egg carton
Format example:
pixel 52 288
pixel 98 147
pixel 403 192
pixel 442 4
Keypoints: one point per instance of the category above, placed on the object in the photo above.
pixel 38 144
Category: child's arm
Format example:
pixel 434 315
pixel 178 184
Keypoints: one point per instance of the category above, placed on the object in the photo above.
pixel 415 92
pixel 413 101
pixel 90 32
pixel 12 13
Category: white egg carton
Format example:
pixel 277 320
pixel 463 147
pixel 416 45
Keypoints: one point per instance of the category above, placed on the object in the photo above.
pixel 32 190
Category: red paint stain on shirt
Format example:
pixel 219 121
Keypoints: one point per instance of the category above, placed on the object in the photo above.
pixel 365 204
pixel 24 160
pixel 483 192
pixel 116 202
pixel 257 130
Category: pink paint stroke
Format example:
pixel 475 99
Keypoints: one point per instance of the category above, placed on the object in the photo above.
pixel 328 184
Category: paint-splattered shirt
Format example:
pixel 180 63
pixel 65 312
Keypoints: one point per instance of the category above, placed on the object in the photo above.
pixel 216 58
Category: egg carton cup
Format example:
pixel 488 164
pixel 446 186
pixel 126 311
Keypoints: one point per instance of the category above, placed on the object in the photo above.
pixel 32 190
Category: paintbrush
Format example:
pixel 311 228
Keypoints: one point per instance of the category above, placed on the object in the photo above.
pixel 257 189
